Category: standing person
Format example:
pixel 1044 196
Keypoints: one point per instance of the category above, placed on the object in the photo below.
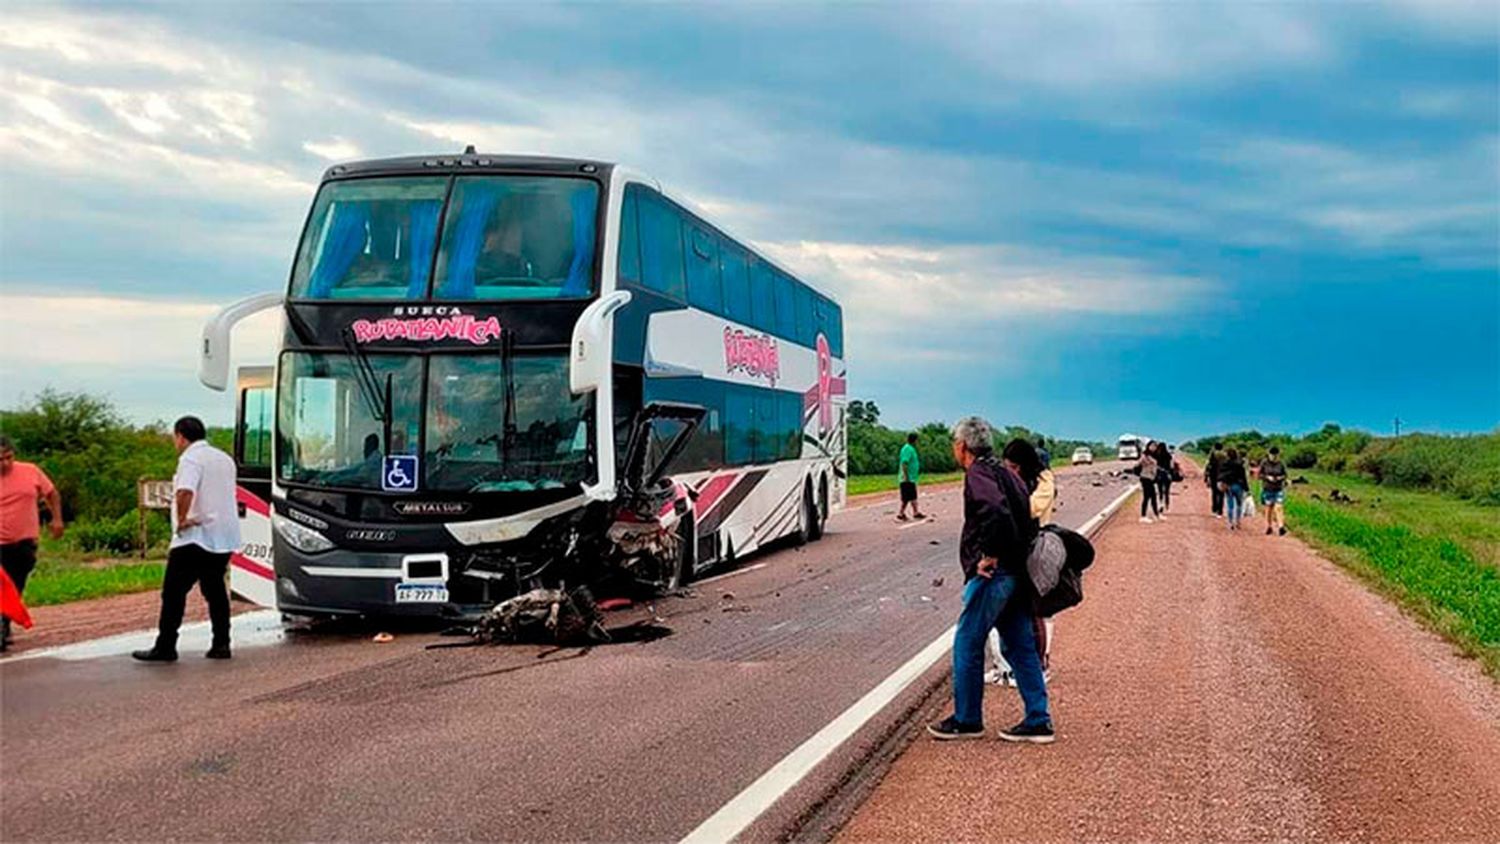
pixel 992 549
pixel 1021 458
pixel 1273 491
pixel 1211 477
pixel 908 474
pixel 207 531
pixel 1042 453
pixel 1232 483
pixel 1146 467
pixel 1164 477
pixel 22 487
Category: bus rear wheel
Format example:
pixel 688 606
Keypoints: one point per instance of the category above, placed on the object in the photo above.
pixel 817 516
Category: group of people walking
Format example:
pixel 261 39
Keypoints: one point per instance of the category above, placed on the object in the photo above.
pixel 1229 485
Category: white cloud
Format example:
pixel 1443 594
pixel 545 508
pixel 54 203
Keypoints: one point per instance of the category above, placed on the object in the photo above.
pixel 333 149
pixel 110 345
pixel 939 299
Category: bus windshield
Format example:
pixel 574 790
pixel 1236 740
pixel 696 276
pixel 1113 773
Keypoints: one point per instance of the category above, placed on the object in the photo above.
pixel 503 237
pixel 331 430
pixel 483 437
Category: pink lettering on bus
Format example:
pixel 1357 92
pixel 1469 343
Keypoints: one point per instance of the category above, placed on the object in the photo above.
pixel 755 355
pixel 427 329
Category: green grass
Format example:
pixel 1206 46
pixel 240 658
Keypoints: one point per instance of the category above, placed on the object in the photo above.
pixel 1476 527
pixel 63 575
pixel 1433 554
pixel 862 484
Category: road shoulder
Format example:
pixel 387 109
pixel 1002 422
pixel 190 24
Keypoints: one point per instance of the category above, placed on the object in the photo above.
pixel 1225 686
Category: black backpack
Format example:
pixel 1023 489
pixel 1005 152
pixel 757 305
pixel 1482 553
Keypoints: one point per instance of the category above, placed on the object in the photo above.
pixel 1069 589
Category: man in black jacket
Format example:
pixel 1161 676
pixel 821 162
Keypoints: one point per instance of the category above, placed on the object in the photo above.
pixel 996 538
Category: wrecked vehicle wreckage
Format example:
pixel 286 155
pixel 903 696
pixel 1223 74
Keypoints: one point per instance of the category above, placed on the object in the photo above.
pixel 643 552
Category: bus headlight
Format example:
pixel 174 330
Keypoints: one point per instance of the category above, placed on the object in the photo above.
pixel 301 537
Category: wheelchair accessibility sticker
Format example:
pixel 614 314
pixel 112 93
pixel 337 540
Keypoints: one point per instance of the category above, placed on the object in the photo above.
pixel 399 473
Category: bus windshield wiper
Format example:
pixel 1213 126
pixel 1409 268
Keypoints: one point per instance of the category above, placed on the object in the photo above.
pixel 378 401
pixel 508 373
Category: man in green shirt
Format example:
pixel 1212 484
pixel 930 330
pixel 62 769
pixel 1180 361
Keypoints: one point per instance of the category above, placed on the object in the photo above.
pixel 910 471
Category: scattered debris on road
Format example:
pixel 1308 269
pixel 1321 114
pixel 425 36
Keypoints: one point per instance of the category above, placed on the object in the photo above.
pixel 551 616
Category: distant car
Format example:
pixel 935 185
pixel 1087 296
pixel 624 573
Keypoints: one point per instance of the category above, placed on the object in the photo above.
pixel 1082 455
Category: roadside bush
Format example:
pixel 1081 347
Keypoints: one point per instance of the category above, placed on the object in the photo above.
pixel 1302 458
pixel 120 535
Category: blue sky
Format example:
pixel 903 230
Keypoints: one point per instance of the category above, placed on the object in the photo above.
pixel 1166 218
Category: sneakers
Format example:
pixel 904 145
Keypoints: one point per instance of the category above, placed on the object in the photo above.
pixel 949 729
pixel 1268 530
pixel 1283 530
pixel 155 655
pixel 1146 520
pixel 217 652
pixel 1161 517
pixel 1038 734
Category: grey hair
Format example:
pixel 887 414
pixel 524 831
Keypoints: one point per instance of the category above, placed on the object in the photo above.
pixel 974 434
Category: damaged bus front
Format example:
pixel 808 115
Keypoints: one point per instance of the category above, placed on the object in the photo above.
pixel 444 418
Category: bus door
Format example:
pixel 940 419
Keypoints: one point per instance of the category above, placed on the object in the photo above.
pixel 251 574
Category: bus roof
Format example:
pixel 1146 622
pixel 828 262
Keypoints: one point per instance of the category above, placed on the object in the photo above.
pixel 470 161
pixel 466 162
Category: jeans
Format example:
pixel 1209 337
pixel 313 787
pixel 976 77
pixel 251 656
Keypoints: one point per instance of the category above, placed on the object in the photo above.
pixel 1233 499
pixel 187 565
pixel 1164 490
pixel 985 606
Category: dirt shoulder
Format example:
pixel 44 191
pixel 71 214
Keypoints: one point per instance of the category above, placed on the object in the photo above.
pixel 1220 686
pixel 64 624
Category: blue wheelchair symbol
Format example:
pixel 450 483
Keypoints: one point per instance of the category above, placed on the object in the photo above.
pixel 399 473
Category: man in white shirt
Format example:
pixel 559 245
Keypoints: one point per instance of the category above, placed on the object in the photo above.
pixel 206 532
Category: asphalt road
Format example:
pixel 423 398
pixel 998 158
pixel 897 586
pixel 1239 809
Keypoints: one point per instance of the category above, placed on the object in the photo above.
pixel 334 737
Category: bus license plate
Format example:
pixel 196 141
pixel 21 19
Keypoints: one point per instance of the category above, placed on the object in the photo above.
pixel 421 593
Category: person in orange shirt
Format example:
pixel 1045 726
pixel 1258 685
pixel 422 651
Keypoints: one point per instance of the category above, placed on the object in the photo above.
pixel 22 486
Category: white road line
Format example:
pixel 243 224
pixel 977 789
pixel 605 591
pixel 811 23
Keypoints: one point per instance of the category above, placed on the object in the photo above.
pixel 248 628
pixel 739 813
pixel 728 574
pixel 917 523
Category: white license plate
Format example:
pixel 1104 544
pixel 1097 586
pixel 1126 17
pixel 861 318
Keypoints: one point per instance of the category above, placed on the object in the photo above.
pixel 421 593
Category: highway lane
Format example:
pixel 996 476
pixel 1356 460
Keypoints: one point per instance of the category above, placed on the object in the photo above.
pixel 334 737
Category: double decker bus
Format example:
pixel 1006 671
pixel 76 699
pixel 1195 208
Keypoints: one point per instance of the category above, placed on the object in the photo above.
pixel 498 372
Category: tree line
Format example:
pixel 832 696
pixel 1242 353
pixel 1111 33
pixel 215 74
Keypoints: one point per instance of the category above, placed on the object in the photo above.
pixel 873 447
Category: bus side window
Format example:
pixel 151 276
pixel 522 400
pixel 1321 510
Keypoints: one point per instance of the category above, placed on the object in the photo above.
pixel 739 423
pixel 766 440
pixel 804 307
pixel 791 425
pixel 736 283
pixel 629 267
pixel 254 435
pixel 703 285
pixel 762 308
pixel 786 307
pixel 661 248
pixel 836 330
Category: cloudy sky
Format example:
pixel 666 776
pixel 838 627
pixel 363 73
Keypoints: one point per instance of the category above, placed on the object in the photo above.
pixel 1172 218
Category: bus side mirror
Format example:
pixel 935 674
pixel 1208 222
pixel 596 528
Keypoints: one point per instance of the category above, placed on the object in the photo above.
pixel 213 361
pixel 590 354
